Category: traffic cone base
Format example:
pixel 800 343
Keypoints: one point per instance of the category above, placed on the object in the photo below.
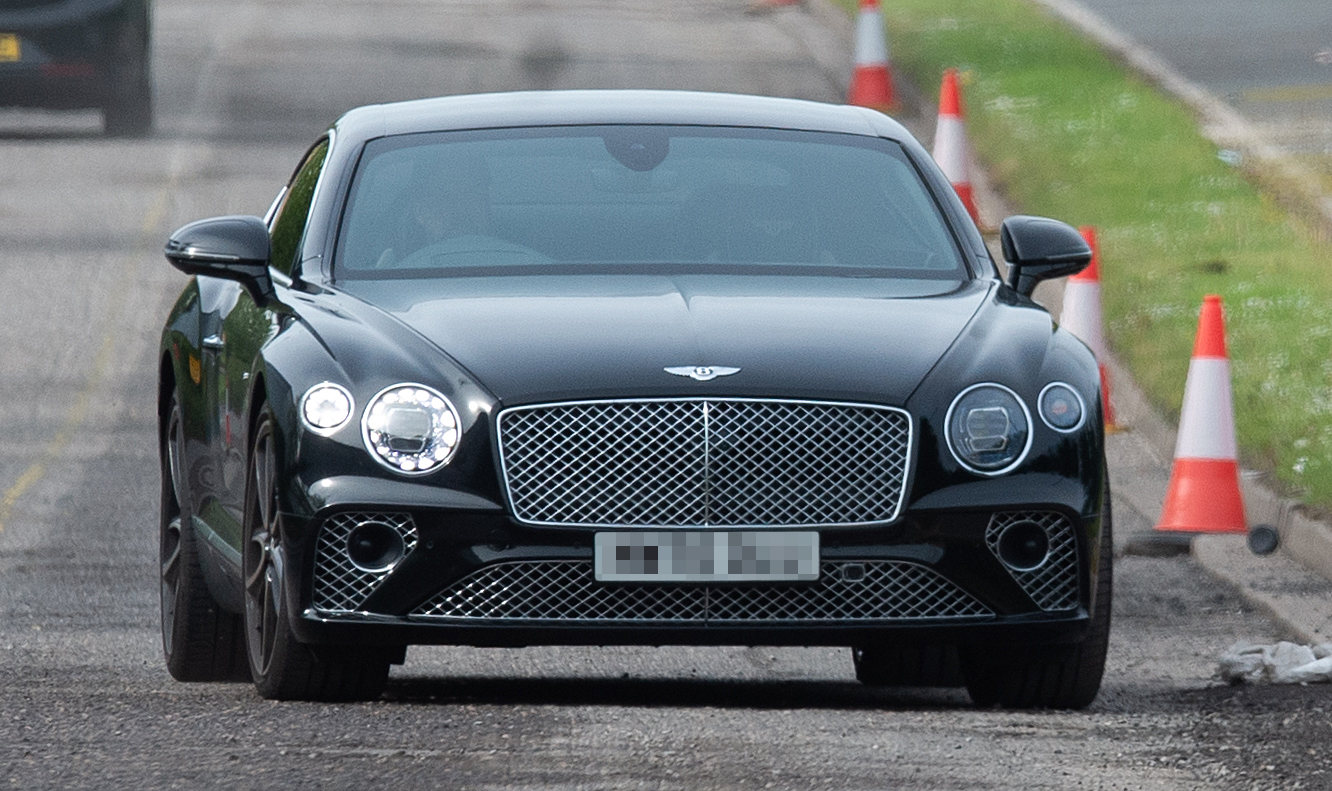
pixel 1204 497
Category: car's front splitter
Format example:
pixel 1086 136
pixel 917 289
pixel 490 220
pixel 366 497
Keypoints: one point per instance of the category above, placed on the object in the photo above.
pixel 312 627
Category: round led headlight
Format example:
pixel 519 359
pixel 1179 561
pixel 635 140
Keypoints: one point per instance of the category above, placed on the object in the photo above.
pixel 326 408
pixel 410 429
pixel 1061 407
pixel 989 429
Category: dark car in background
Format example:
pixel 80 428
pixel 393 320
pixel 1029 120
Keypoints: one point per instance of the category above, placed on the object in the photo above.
pixel 628 367
pixel 72 54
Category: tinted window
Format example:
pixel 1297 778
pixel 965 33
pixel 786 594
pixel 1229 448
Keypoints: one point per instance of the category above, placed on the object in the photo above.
pixel 640 196
pixel 289 220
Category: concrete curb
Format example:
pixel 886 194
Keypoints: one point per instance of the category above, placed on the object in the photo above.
pixel 1290 593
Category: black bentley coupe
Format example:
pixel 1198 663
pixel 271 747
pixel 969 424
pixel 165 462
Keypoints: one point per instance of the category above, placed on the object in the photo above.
pixel 628 367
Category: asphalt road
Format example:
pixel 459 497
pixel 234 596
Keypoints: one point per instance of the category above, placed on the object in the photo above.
pixel 85 701
pixel 1271 60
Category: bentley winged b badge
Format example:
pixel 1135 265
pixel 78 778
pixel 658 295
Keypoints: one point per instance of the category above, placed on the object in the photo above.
pixel 701 373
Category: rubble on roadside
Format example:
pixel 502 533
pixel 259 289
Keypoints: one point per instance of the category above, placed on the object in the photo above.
pixel 1279 663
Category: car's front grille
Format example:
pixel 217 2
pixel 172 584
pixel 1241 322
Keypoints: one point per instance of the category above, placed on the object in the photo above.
pixel 1054 585
pixel 567 590
pixel 339 586
pixel 705 462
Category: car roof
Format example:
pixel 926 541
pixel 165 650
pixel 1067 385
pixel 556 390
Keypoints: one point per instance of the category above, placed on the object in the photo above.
pixel 586 107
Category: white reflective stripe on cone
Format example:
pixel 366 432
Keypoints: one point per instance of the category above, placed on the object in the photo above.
pixel 950 149
pixel 1207 422
pixel 1081 314
pixel 871 42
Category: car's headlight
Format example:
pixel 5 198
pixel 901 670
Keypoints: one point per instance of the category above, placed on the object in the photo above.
pixel 989 429
pixel 410 429
pixel 326 408
pixel 1061 407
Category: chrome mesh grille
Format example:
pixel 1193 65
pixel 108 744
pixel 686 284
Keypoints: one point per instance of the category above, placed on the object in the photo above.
pixel 1053 586
pixel 338 585
pixel 554 590
pixel 719 463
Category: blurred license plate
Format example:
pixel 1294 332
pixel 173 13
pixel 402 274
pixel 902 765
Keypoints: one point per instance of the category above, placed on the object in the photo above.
pixel 693 556
pixel 9 48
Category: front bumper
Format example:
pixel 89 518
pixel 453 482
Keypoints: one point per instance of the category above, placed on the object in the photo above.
pixel 474 577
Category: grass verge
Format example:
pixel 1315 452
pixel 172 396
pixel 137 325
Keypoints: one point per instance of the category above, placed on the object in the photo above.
pixel 1067 132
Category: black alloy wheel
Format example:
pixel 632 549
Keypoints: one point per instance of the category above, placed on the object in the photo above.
pixel 282 667
pixel 1050 676
pixel 200 640
pixel 265 563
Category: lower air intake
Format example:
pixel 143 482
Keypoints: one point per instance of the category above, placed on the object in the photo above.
pixel 552 590
pixel 339 585
pixel 1054 585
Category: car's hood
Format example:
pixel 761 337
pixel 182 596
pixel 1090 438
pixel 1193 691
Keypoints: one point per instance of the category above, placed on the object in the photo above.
pixel 546 338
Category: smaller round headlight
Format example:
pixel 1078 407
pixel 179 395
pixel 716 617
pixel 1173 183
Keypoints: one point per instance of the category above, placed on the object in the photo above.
pixel 1061 407
pixel 989 429
pixel 326 407
pixel 411 429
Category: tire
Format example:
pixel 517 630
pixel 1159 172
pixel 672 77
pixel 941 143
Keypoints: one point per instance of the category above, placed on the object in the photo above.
pixel 1049 676
pixel 908 666
pixel 200 640
pixel 127 110
pixel 282 667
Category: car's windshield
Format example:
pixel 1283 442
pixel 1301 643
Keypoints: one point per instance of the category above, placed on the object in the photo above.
pixel 640 198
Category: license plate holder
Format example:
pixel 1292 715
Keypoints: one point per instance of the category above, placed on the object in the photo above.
pixel 707 556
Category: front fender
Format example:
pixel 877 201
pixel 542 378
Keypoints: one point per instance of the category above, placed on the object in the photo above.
pixel 1013 342
pixel 317 345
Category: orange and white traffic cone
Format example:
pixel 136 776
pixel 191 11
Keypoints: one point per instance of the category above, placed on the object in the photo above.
pixel 1081 315
pixel 950 142
pixel 871 82
pixel 1204 494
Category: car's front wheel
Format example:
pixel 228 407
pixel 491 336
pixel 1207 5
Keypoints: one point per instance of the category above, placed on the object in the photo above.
pixel 200 640
pixel 283 668
pixel 1049 676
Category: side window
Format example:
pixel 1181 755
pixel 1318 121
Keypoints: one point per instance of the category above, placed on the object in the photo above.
pixel 289 220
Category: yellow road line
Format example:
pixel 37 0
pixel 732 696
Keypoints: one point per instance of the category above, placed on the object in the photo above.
pixel 79 410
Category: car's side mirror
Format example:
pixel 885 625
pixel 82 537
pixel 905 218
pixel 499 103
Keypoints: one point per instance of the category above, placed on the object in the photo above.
pixel 1038 248
pixel 235 248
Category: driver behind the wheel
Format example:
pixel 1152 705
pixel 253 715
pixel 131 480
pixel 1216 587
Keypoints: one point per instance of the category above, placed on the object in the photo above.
pixel 440 203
